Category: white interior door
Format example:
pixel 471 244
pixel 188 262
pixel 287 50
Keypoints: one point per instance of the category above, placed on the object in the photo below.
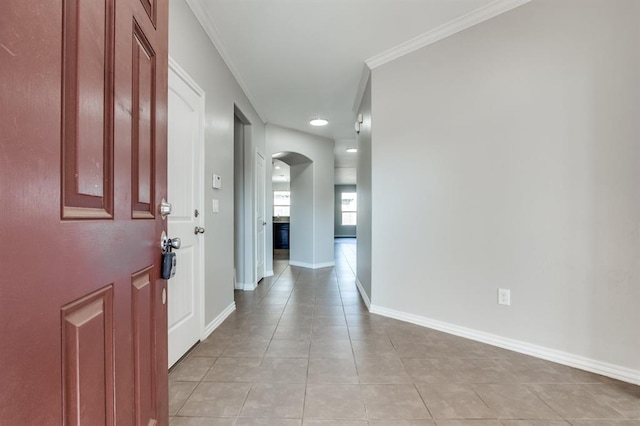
pixel 260 219
pixel 185 174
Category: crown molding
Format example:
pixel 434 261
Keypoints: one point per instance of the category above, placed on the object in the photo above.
pixel 475 17
pixel 202 15
pixel 364 79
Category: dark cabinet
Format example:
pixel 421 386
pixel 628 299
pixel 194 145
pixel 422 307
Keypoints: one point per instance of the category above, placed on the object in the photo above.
pixel 280 235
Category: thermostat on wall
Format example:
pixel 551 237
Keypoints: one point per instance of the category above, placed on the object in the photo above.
pixel 216 181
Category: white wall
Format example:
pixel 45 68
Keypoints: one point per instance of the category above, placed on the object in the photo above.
pixel 364 242
pixel 192 49
pixel 320 151
pixel 278 186
pixel 508 156
pixel 301 232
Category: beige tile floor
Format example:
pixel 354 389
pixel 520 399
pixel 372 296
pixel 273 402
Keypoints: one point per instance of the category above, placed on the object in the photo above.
pixel 303 350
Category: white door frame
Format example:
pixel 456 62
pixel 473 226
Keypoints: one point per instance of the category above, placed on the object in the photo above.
pixel 247 217
pixel 260 189
pixel 199 286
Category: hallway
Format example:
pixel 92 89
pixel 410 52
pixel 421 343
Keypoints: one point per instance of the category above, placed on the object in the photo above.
pixel 303 350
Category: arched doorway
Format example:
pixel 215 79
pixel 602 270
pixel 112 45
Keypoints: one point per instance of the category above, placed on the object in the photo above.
pixel 296 227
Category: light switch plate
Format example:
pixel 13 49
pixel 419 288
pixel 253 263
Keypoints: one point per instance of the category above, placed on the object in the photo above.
pixel 215 205
pixel 216 181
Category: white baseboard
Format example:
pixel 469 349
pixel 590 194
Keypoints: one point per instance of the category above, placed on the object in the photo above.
pixel 598 367
pixel 363 294
pixel 311 265
pixel 210 328
pixel 246 286
pixel 268 274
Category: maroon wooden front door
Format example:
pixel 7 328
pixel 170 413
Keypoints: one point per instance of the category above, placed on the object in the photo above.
pixel 83 87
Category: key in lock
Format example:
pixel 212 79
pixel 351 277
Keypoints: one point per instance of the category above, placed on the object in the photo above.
pixel 168 257
pixel 168 265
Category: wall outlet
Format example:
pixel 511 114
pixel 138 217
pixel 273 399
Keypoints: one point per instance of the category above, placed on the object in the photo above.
pixel 504 296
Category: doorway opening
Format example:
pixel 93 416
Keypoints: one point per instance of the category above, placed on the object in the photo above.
pixel 280 180
pixel 345 211
pixel 243 278
pixel 292 214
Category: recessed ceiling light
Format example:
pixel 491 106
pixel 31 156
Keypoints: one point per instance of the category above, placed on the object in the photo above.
pixel 319 122
pixel 352 149
pixel 277 167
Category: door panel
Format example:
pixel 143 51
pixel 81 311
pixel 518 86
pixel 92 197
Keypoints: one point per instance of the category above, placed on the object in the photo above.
pixel 87 356
pixel 150 6
pixel 144 333
pixel 185 189
pixel 87 104
pixel 81 347
pixel 143 116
